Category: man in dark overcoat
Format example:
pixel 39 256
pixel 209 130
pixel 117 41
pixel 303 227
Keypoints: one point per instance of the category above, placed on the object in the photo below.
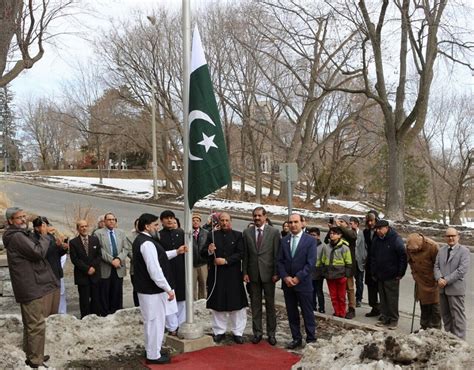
pixel 226 292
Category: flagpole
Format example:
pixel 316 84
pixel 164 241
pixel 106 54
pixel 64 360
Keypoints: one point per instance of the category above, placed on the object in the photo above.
pixel 188 330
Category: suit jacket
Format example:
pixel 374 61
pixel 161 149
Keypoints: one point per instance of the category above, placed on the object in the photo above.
pixel 261 263
pixel 123 247
pixel 198 246
pixel 301 264
pixel 454 270
pixel 82 261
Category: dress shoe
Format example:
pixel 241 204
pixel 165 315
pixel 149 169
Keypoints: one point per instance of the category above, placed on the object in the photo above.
pixel 372 313
pixel 164 359
pixel 358 303
pixel 294 344
pixel 238 339
pixel 384 322
pixel 218 338
pixel 272 340
pixel 321 310
pixel 350 314
pixel 34 366
pixel 308 341
pixel 256 339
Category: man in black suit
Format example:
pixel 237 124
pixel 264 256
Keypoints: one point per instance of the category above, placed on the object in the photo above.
pixel 296 259
pixel 261 244
pixel 86 256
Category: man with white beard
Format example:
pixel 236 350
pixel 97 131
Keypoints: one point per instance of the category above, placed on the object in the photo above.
pixel 32 279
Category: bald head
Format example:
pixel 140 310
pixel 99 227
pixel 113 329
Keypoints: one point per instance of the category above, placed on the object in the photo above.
pixel 452 236
pixel 225 221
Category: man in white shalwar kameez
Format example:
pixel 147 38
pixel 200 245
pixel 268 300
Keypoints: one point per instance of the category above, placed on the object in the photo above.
pixel 156 296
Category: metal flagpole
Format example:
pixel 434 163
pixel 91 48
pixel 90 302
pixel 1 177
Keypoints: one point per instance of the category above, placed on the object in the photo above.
pixel 189 330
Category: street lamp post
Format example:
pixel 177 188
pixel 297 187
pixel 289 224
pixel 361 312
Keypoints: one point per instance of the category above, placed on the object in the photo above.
pixel 154 164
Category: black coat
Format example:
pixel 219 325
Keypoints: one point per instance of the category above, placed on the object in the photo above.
pixel 229 292
pixel 389 257
pixel 370 254
pixel 82 261
pixel 53 255
pixel 198 246
pixel 172 239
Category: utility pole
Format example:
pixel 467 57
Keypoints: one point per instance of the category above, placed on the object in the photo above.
pixel 154 164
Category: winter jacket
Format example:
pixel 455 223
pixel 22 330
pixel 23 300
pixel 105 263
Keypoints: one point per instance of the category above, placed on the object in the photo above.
pixel 336 260
pixel 30 273
pixel 389 257
pixel 422 253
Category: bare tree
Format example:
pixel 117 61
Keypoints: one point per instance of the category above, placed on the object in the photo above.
pixel 416 26
pixel 25 26
pixel 449 143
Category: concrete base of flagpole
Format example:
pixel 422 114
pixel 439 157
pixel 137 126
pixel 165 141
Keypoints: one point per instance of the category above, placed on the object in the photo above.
pixel 190 330
pixel 190 339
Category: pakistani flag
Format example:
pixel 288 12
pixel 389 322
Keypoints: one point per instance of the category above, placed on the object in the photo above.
pixel 208 163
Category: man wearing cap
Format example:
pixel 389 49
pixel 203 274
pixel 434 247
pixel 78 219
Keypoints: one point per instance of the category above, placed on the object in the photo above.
pixel 450 270
pixel 261 244
pixel 389 264
pixel 172 239
pixel 32 279
pixel 114 246
pixel 199 263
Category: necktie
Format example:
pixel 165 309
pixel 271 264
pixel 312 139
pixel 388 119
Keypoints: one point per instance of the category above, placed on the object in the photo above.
pixel 195 234
pixel 449 252
pixel 85 243
pixel 259 238
pixel 114 244
pixel 293 246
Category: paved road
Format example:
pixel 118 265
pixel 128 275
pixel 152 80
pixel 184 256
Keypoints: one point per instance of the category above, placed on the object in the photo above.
pixel 54 204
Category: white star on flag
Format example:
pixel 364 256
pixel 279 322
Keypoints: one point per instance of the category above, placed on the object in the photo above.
pixel 207 142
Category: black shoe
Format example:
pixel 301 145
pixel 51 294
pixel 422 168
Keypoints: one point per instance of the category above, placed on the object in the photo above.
pixel 294 344
pixel 321 310
pixel 256 339
pixel 372 313
pixel 238 339
pixel 358 303
pixel 218 338
pixel 272 340
pixel 164 359
pixel 350 314
pixel 308 341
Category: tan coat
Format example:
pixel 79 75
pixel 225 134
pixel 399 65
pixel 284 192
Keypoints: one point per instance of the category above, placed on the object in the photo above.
pixel 422 253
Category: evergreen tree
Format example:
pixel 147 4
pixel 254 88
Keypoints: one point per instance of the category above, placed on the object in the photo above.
pixel 9 153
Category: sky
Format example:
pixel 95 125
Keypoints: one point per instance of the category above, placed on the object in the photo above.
pixel 60 61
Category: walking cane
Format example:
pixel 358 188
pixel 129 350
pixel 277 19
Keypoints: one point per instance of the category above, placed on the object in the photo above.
pixel 414 307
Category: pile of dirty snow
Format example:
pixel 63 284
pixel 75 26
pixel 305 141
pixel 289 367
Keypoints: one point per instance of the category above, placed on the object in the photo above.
pixel 381 350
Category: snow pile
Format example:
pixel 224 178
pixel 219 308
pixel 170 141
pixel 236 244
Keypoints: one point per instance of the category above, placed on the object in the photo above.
pixel 93 338
pixel 381 350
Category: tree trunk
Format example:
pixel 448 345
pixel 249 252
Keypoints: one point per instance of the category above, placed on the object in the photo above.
pixel 395 201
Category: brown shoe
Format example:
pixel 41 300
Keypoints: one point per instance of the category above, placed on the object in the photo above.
pixel 350 314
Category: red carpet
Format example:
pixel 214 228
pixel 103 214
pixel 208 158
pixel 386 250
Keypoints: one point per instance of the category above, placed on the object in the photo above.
pixel 247 356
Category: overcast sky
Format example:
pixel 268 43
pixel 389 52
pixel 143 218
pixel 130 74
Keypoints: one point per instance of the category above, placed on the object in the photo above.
pixel 57 66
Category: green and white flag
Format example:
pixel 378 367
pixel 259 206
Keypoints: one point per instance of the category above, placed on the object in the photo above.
pixel 208 162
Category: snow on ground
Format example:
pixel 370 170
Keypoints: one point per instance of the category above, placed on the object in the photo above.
pixel 143 189
pixel 357 349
